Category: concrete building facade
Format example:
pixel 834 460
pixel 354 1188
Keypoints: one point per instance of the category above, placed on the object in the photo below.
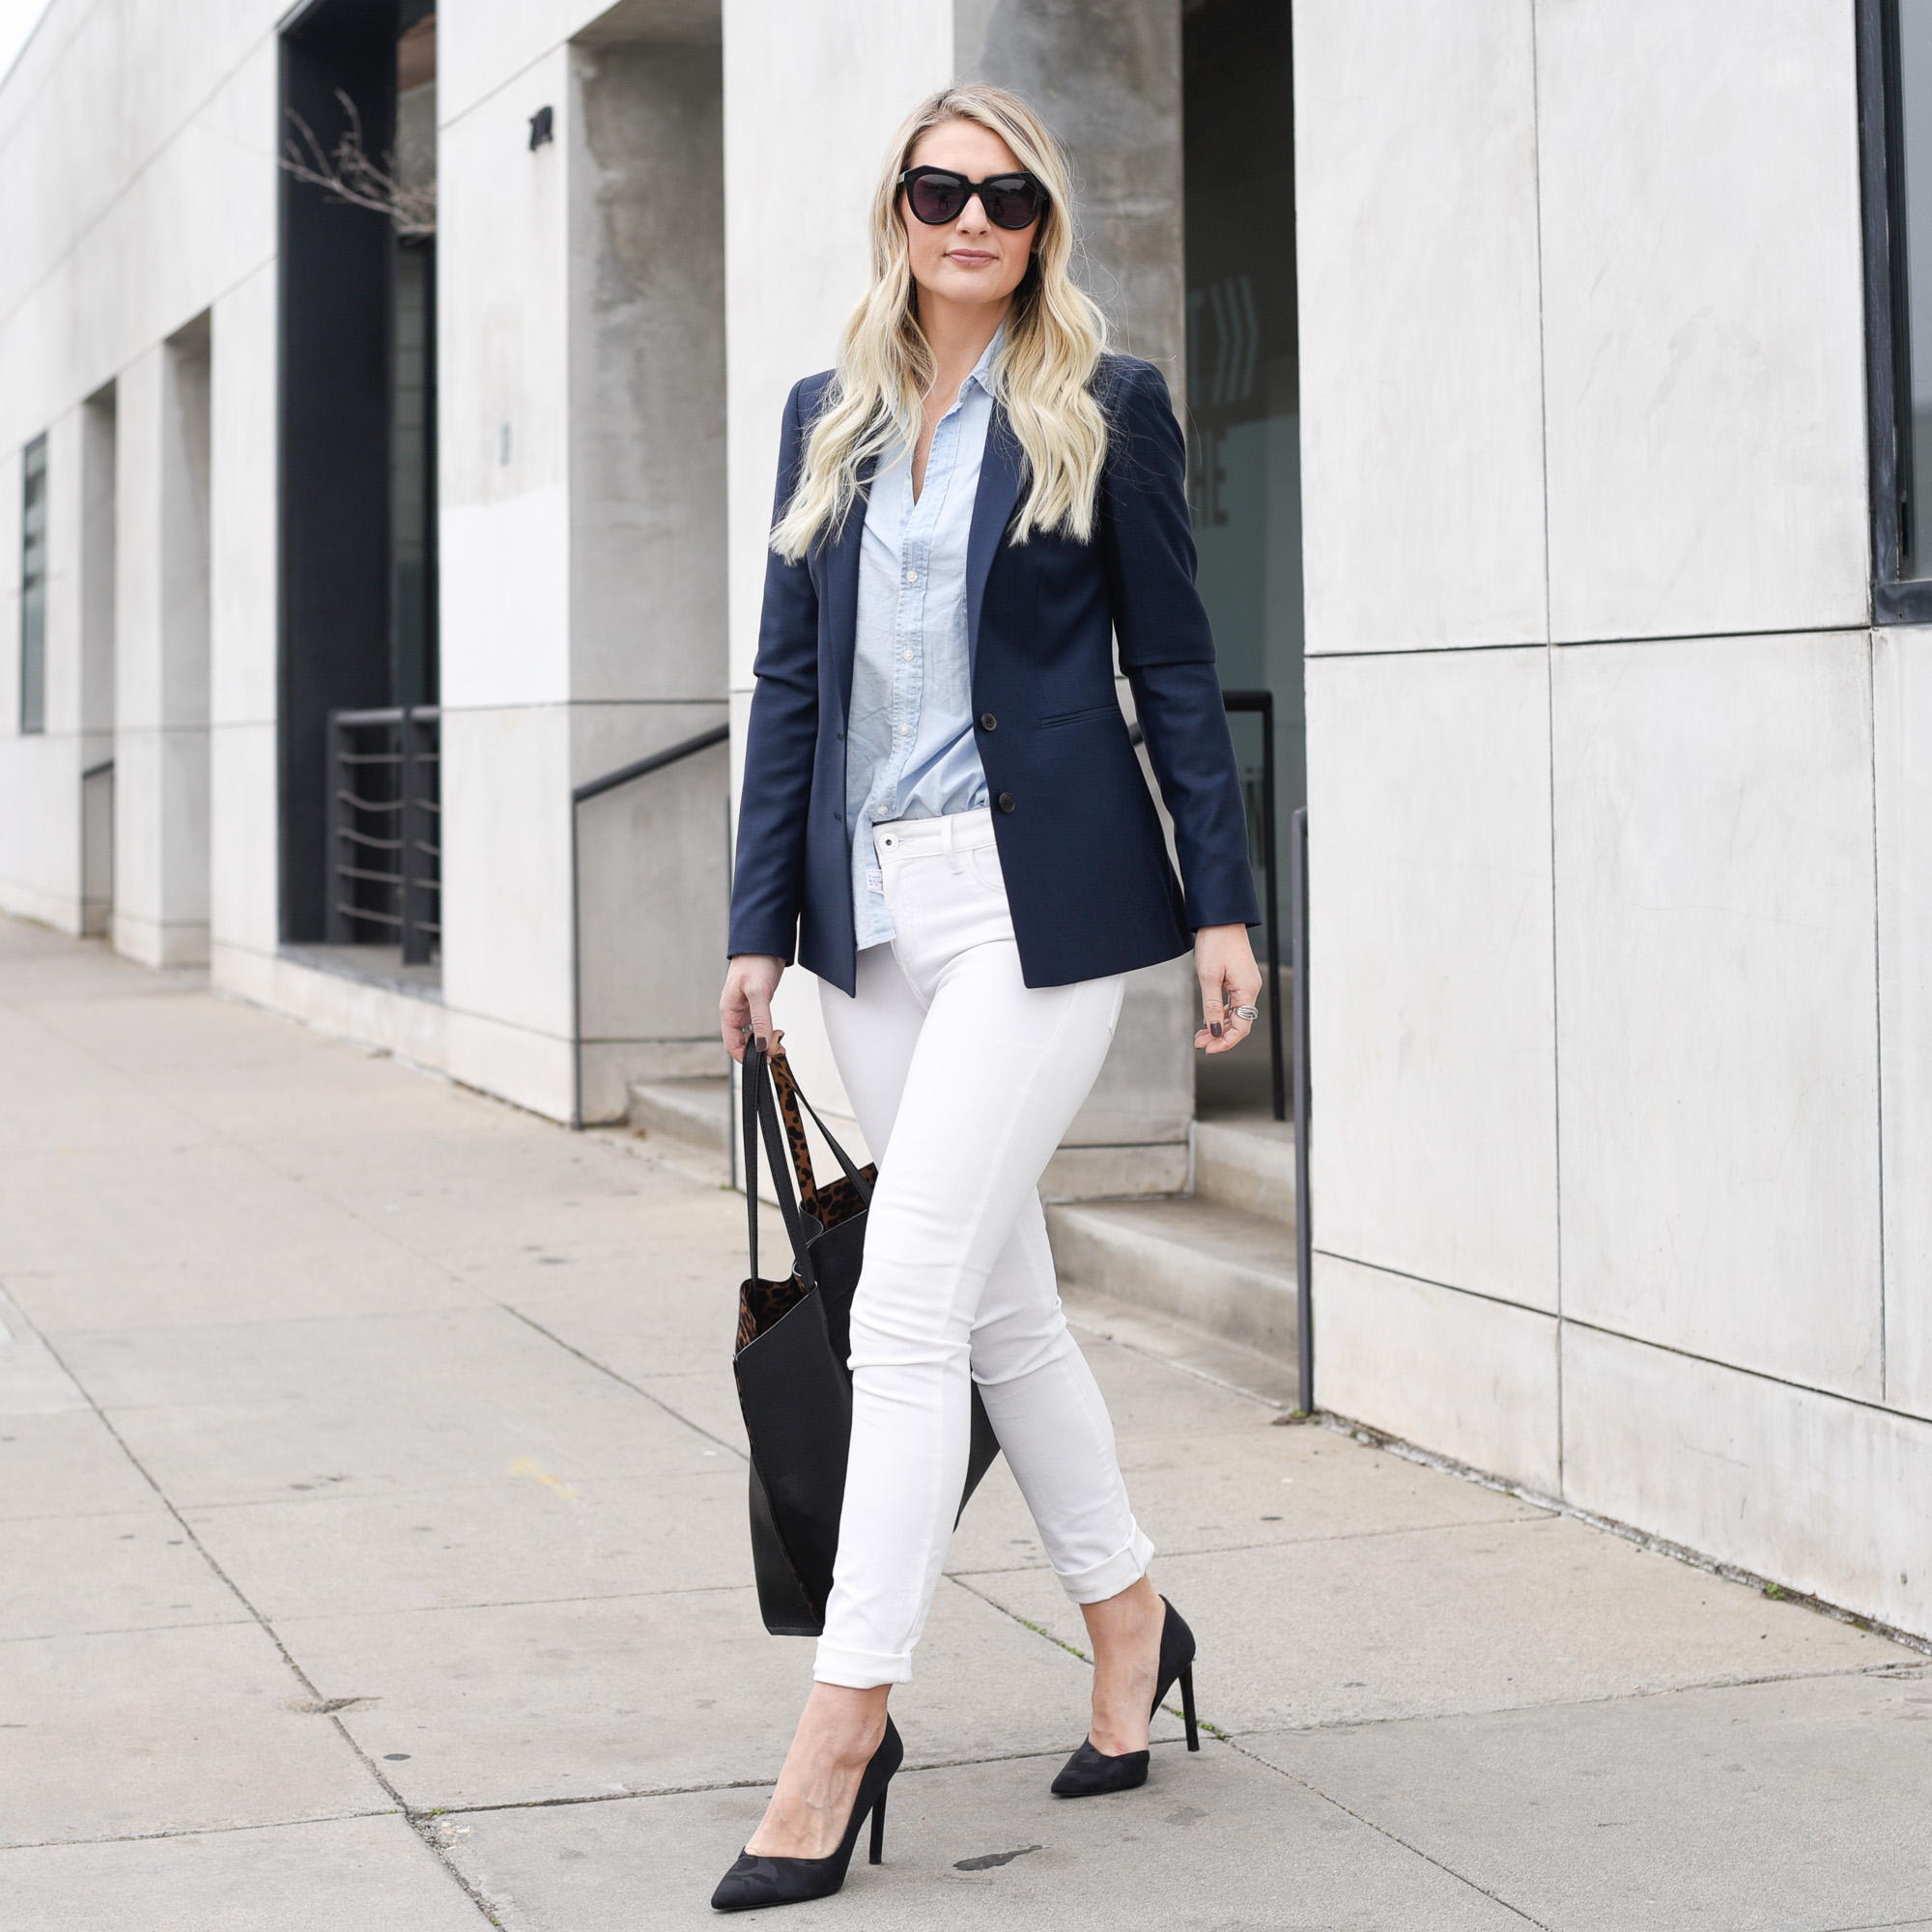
pixel 1546 372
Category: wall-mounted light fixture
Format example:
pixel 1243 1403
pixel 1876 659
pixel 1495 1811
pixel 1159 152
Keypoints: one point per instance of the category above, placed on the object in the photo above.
pixel 543 128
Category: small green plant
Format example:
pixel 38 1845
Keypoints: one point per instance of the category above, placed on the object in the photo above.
pixel 1775 1590
pixel 1040 1630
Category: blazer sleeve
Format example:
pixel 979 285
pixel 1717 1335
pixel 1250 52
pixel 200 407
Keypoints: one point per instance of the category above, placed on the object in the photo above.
pixel 1167 649
pixel 768 878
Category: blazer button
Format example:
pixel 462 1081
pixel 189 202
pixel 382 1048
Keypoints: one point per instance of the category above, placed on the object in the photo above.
pixel 987 722
pixel 1005 801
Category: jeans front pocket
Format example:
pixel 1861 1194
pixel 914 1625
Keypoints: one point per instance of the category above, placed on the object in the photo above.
pixel 985 862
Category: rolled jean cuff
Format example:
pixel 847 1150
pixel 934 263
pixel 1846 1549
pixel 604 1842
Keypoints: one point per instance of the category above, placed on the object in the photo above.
pixel 1119 1572
pixel 859 1669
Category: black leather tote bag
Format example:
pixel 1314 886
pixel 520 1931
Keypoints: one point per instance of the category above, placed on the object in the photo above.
pixel 794 1338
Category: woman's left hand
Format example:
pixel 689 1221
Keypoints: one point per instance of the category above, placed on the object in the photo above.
pixel 1225 963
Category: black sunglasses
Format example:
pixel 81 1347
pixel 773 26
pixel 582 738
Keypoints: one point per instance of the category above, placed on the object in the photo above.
pixel 937 195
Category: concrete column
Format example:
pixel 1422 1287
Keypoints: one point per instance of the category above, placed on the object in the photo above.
pixel 1109 78
pixel 583 562
pixel 243 801
pixel 1106 75
pixel 647 566
pixel 827 82
pixel 504 356
pixel 162 655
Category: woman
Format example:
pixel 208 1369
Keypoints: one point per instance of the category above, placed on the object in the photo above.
pixel 942 806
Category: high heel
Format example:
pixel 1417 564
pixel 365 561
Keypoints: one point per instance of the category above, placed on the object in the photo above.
pixel 1092 1774
pixel 755 1880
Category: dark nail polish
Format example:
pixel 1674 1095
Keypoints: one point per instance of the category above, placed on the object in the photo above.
pixel 1215 1029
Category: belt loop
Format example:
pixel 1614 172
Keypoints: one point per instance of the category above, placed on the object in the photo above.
pixel 950 823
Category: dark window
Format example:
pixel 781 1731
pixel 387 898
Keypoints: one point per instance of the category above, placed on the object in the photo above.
pixel 1896 87
pixel 1244 413
pixel 1243 390
pixel 34 588
pixel 358 487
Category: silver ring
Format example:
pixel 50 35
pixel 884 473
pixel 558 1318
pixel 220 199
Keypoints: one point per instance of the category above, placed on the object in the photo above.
pixel 1244 1012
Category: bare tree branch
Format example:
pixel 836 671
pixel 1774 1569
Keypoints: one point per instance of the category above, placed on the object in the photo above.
pixel 350 175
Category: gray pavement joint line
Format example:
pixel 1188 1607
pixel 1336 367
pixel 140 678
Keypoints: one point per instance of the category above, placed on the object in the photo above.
pixel 388 1610
pixel 912 1769
pixel 1227 1738
pixel 622 1380
pixel 1369 1436
pixel 1718 1683
pixel 128 1630
pixel 1484 1524
pixel 1884 1672
pixel 206 1830
pixel 1394 1837
pixel 416 1823
pixel 508 1308
pixel 389 1236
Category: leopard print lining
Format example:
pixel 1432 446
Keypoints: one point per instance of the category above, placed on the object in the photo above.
pixel 762 1304
pixel 836 1201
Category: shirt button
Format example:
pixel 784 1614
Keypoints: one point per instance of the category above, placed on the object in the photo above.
pixel 907 655
pixel 1005 801
pixel 911 577
pixel 905 730
pixel 987 722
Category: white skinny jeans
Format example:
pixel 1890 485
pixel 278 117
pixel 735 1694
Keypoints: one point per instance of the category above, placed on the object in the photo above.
pixel 963 1078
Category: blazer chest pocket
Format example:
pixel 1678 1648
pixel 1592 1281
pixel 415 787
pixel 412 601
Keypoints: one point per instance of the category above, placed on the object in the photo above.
pixel 1083 717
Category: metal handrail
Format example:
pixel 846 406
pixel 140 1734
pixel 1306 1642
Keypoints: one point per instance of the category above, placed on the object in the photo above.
pixel 412 753
pixel 1304 1220
pixel 1298 892
pixel 656 762
pixel 638 768
pixel 1264 703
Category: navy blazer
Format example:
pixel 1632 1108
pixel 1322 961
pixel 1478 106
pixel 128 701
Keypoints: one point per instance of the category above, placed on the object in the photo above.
pixel 1085 866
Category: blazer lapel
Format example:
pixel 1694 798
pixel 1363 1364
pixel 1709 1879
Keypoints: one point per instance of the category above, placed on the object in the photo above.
pixel 1002 472
pixel 838 586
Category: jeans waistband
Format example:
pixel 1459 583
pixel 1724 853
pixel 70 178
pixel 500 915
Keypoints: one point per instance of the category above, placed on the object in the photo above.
pixel 915 838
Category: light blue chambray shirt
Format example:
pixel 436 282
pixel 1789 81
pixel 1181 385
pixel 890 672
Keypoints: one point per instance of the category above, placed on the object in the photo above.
pixel 909 746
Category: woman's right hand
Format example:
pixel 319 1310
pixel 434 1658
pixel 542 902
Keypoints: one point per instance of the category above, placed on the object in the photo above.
pixel 746 1005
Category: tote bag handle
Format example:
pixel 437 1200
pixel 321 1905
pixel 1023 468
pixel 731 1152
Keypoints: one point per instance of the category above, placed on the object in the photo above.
pixel 763 1075
pixel 783 1080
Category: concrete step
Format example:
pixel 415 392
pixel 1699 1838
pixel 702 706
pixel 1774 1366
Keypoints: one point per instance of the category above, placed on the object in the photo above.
pixel 1195 1260
pixel 695 1110
pixel 1247 1164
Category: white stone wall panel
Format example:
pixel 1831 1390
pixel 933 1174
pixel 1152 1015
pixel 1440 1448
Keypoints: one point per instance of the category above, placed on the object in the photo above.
pixel 1435 1137
pixel 1818 1493
pixel 1467 1376
pixel 1902 719
pixel 1703 320
pixel 1421 401
pixel 1716 1001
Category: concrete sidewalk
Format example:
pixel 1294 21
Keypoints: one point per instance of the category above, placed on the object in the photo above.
pixel 373 1558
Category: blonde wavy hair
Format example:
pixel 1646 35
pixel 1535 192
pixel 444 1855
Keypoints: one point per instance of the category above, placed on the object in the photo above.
pixel 1054 341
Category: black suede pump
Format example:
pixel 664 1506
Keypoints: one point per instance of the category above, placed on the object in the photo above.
pixel 755 1880
pixel 1092 1774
